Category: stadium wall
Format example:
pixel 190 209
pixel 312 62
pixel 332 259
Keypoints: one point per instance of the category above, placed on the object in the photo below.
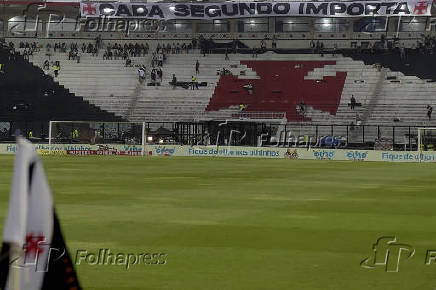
pixel 229 151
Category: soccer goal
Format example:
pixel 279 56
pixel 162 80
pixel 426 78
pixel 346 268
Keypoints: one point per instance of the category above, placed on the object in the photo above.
pixel 108 136
pixel 426 139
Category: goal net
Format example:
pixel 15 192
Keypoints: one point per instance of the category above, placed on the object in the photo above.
pixel 101 137
pixel 426 139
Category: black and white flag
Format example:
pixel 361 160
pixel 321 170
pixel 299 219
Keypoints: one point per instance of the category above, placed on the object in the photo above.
pixel 34 255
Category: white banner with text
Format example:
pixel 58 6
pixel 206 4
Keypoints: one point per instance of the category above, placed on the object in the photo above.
pixel 210 11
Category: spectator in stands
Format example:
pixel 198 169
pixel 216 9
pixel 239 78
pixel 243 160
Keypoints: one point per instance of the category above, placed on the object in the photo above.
pixel 371 47
pixel 249 87
pixel 75 134
pixel 358 120
pixel 98 42
pixel 242 107
pixel 210 45
pixel 141 74
pixel 128 62
pixel 274 42
pixel 177 48
pixel 317 46
pixel 254 53
pixel 174 81
pixel 159 74
pixel 78 56
pixel 197 67
pixel 55 69
pixel 335 48
pixel 382 41
pixel 153 59
pixel 302 107
pixel 312 46
pixel 46 65
pixel 63 47
pixel 352 102
pixel 12 54
pixel 194 83
pixel 402 52
pixel 116 54
pixel 227 55
pixel 263 45
pixel 160 59
pixel 153 76
pixel 429 111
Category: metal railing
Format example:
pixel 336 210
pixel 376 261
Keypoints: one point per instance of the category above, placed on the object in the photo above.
pixel 260 115
pixel 237 133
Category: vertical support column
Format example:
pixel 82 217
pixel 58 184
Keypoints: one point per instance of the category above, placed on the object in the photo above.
pixel 347 135
pixel 5 20
pixel 272 25
pixel 49 136
pixel 391 27
pixel 44 32
pixel 233 23
pixel 143 139
pixel 419 143
pixel 393 137
pixel 194 28
pixel 312 34
pixel 350 33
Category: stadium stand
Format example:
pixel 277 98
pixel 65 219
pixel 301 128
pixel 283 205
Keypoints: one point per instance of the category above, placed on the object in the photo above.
pixel 32 96
pixel 281 81
pixel 315 71
pixel 416 63
pixel 281 86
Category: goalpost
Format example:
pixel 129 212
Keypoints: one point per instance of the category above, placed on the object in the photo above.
pixel 97 133
pixel 426 139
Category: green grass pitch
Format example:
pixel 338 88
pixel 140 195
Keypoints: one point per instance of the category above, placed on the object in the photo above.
pixel 242 223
